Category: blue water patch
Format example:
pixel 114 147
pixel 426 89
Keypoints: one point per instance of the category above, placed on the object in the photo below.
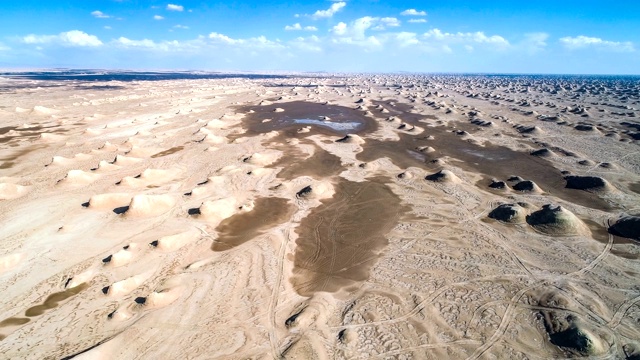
pixel 338 126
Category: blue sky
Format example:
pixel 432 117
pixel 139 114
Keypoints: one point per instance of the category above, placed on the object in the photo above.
pixel 537 36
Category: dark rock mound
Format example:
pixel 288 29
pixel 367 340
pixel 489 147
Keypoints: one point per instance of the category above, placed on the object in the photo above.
pixel 566 330
pixel 511 213
pixel 573 339
pixel 556 220
pixel 584 127
pixel 443 176
pixel 542 153
pixel 346 138
pixel 527 185
pixel 497 184
pixel 481 122
pixel 586 162
pixel 304 192
pixel 587 183
pixel 631 351
pixel 140 300
pixel 528 129
pixel 627 226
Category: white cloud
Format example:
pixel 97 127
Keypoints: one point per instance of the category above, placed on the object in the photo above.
pixel 69 38
pixel 220 38
pixel 404 39
pixel 387 22
pixel 311 43
pixel 340 28
pixel 534 42
pixel 334 8
pixel 413 12
pixel 359 26
pixel 477 37
pixel 297 27
pixel 581 41
pixel 193 46
pixel 173 7
pixel 355 33
pixel 99 14
pixel 158 17
pixel 417 21
pixel 254 43
pixel 184 27
pixel 145 43
pixel 107 27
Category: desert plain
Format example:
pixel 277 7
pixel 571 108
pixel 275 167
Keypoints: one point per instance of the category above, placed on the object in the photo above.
pixel 320 216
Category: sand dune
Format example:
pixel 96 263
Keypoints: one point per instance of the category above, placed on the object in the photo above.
pixel 171 243
pixel 126 286
pixel 79 177
pixel 109 201
pixel 122 160
pixel 216 210
pixel 150 205
pixel 150 177
pixel 12 191
pixel 263 159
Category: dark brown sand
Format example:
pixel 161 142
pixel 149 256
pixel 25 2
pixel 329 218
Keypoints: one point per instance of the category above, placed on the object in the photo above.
pixel 52 300
pixel 167 152
pixel 340 240
pixel 240 228
pixel 493 161
pixel 254 124
pixel 320 164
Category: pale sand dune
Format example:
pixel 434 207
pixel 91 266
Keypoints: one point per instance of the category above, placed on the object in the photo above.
pixel 263 158
pixel 108 146
pixel 150 205
pixel 63 161
pixel 150 177
pixel 193 220
pixel 79 177
pixel 47 137
pixel 171 243
pixel 105 166
pixel 141 151
pixel 109 201
pixel 122 160
pixel 12 191
pixel 43 110
pixel 7 262
pixel 215 139
pixel 126 286
pixel 215 210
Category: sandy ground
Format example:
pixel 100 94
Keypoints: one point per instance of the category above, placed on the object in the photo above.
pixel 304 217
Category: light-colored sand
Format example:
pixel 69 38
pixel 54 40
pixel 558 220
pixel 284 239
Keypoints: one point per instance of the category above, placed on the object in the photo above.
pixel 112 201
